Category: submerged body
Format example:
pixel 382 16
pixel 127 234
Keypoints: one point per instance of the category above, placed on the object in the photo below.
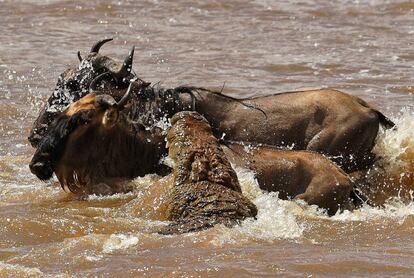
pixel 296 175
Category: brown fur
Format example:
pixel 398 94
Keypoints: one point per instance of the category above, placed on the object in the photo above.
pixel 74 83
pixel 107 155
pixel 326 121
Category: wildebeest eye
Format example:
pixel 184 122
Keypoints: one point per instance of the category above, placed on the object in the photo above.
pixel 79 118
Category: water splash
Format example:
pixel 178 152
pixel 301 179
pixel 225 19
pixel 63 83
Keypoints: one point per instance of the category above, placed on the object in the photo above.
pixel 392 175
pixel 396 146
pixel 393 209
pixel 390 183
pixel 275 219
pixel 119 242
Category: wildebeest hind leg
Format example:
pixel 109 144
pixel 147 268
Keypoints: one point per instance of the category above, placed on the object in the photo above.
pixel 349 146
pixel 321 142
pixel 330 195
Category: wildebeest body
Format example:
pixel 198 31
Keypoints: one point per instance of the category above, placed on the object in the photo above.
pixel 325 121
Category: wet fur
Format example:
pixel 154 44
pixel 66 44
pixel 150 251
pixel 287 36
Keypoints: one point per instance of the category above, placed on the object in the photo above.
pixel 123 153
pixel 327 121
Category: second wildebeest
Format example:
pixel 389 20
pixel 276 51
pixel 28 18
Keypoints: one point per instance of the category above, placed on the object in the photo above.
pixel 74 83
pixel 339 125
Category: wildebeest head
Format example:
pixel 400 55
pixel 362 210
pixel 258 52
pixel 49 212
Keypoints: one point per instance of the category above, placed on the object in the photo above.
pixel 94 70
pixel 76 144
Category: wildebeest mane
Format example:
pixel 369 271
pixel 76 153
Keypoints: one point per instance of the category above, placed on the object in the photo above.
pixel 155 103
pixel 190 90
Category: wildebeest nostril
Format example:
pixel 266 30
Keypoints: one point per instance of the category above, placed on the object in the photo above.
pixel 42 170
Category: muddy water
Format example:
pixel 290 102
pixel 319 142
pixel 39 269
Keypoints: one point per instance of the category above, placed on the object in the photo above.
pixel 254 48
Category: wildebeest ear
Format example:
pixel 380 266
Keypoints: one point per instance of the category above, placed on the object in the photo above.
pixel 79 56
pixel 110 117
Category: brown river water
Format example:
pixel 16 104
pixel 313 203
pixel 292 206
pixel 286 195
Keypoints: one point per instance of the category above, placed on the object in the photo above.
pixel 364 47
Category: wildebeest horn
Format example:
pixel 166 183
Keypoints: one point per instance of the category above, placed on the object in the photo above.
pixel 126 97
pixel 79 57
pixel 128 93
pixel 96 80
pixel 95 48
pixel 117 70
pixel 106 100
pixel 126 66
pixel 128 60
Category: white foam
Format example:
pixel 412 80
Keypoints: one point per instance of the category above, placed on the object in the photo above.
pixel 393 174
pixel 119 242
pixel 275 218
pixel 393 209
pixel 92 258
pixel 117 196
pixel 15 270
pixel 396 146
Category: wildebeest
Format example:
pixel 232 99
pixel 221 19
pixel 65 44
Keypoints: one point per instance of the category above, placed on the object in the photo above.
pixel 107 148
pixel 297 175
pixel 327 121
pixel 95 119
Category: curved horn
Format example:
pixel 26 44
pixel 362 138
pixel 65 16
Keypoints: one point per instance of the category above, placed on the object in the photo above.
pixel 126 97
pixel 128 93
pixel 126 67
pixel 95 48
pixel 128 60
pixel 105 100
pixel 96 80
pixel 79 56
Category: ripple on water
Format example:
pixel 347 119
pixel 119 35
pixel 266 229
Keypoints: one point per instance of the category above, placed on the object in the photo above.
pixel 15 270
